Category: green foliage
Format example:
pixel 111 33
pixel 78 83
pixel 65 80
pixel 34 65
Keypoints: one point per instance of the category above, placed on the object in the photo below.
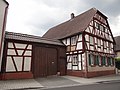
pixel 117 59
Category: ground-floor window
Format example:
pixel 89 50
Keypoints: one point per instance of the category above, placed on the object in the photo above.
pixel 98 60
pixel 74 62
pixel 91 60
pixel 103 61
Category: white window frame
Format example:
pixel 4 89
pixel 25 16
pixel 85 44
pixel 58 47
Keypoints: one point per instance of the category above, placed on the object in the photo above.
pixel 73 40
pixel 91 40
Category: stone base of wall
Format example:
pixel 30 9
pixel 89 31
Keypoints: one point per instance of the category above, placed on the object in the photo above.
pixel 17 75
pixel 0 76
pixel 76 73
pixel 90 74
pixel 100 73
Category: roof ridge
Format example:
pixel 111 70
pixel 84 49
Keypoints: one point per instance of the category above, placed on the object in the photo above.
pixel 72 26
pixel 117 36
pixel 74 17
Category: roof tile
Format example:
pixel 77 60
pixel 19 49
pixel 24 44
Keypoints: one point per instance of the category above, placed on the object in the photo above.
pixel 31 38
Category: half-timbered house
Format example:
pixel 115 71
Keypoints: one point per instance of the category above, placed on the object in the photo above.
pixel 3 15
pixel 89 42
pixel 27 56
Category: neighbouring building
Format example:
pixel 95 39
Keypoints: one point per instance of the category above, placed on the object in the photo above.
pixel 3 15
pixel 89 43
pixel 27 56
pixel 117 53
pixel 117 46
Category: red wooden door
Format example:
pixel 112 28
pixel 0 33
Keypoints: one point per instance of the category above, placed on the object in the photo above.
pixel 45 61
pixel 51 61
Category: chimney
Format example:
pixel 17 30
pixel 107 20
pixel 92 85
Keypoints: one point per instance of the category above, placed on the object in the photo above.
pixel 72 15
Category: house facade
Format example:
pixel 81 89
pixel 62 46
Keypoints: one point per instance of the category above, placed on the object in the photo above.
pixel 81 46
pixel 28 56
pixel 89 43
pixel 3 15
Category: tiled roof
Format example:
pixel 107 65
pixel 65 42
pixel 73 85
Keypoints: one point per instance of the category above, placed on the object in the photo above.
pixel 73 26
pixel 117 46
pixel 31 38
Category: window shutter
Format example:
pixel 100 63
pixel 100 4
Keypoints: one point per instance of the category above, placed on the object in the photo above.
pixel 104 60
pixel 89 59
pixel 109 62
pixel 97 60
pixel 112 61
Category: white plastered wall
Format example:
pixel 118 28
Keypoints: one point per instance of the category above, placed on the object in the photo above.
pixel 2 12
pixel 18 59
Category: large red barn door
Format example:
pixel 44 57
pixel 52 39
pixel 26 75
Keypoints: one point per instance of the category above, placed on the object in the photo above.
pixel 51 61
pixel 45 61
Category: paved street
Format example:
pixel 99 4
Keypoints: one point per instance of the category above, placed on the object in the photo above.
pixel 113 85
pixel 53 81
pixel 19 84
pixel 63 83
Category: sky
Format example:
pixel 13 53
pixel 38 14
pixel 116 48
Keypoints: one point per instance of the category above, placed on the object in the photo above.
pixel 36 17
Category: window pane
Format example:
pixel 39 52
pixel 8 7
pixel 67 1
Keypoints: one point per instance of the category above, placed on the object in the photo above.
pixel 91 59
pixel 91 40
pixel 103 60
pixel 73 40
pixel 112 61
pixel 100 59
pixel 75 60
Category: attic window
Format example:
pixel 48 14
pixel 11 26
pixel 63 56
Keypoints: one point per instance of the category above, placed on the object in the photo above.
pixel 97 25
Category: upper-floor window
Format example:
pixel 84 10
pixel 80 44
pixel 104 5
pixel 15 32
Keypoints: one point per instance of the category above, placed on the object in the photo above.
pixel 97 25
pixel 73 40
pixel 91 40
pixel 102 28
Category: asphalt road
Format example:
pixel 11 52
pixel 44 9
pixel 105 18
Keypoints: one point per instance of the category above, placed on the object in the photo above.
pixel 99 86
